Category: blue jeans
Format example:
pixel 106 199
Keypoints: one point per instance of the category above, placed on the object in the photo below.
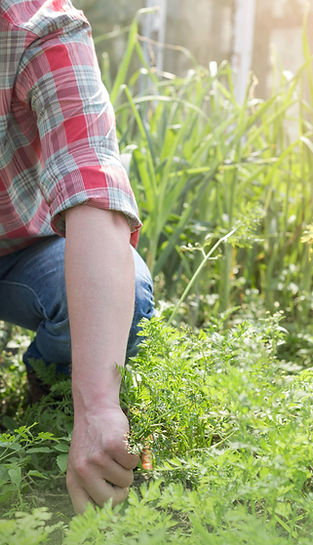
pixel 32 295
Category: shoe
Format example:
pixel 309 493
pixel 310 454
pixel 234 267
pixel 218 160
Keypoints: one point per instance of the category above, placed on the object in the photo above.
pixel 36 388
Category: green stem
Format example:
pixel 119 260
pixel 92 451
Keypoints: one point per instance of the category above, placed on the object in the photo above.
pixel 197 272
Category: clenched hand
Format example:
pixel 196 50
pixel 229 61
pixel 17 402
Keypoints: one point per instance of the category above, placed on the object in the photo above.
pixel 100 465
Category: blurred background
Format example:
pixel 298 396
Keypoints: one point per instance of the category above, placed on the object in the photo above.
pixel 213 153
pixel 208 29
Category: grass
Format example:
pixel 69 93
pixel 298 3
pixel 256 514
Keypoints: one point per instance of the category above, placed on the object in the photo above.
pixel 231 424
pixel 202 165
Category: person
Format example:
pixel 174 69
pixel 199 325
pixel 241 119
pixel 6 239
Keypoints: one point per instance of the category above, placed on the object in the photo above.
pixel 69 226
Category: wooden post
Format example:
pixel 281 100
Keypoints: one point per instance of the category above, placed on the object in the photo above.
pixel 154 27
pixel 243 45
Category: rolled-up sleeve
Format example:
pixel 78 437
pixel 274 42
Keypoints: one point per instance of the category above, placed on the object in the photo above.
pixel 60 82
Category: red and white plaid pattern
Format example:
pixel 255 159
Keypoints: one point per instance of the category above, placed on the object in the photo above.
pixel 58 144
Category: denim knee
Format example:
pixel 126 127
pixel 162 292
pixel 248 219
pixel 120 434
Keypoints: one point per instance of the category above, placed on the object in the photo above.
pixel 144 303
pixel 52 343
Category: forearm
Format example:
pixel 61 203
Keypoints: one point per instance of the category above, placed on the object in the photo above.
pixel 100 292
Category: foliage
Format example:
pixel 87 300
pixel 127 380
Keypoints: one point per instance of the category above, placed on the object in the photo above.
pixel 201 165
pixel 27 529
pixel 15 459
pixel 230 427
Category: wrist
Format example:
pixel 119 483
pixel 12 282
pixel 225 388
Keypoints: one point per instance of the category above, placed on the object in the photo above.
pixel 95 392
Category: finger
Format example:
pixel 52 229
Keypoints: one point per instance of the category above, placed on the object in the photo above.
pixel 101 491
pixel 80 499
pixel 121 453
pixel 120 495
pixel 125 458
pixel 110 470
pixel 117 475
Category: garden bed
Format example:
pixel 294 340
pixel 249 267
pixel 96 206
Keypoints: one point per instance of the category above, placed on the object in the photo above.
pixel 232 445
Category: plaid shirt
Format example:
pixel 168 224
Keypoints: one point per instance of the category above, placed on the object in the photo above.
pixel 58 143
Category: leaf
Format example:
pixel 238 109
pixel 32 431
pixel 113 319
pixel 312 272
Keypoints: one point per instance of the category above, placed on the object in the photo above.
pixel 62 447
pixel 10 445
pixel 33 450
pixel 307 142
pixel 62 462
pixel 123 68
pixel 35 473
pixel 16 476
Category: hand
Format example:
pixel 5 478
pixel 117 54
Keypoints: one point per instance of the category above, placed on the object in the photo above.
pixel 100 466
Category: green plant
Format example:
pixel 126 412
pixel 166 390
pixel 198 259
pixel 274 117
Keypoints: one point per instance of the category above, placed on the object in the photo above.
pixel 27 528
pixel 26 458
pixel 200 163
pixel 17 469
pixel 230 430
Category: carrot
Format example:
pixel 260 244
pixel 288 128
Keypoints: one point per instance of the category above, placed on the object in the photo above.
pixel 146 455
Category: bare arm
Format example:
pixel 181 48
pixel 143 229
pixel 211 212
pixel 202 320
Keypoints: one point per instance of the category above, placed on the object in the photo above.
pixel 100 292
